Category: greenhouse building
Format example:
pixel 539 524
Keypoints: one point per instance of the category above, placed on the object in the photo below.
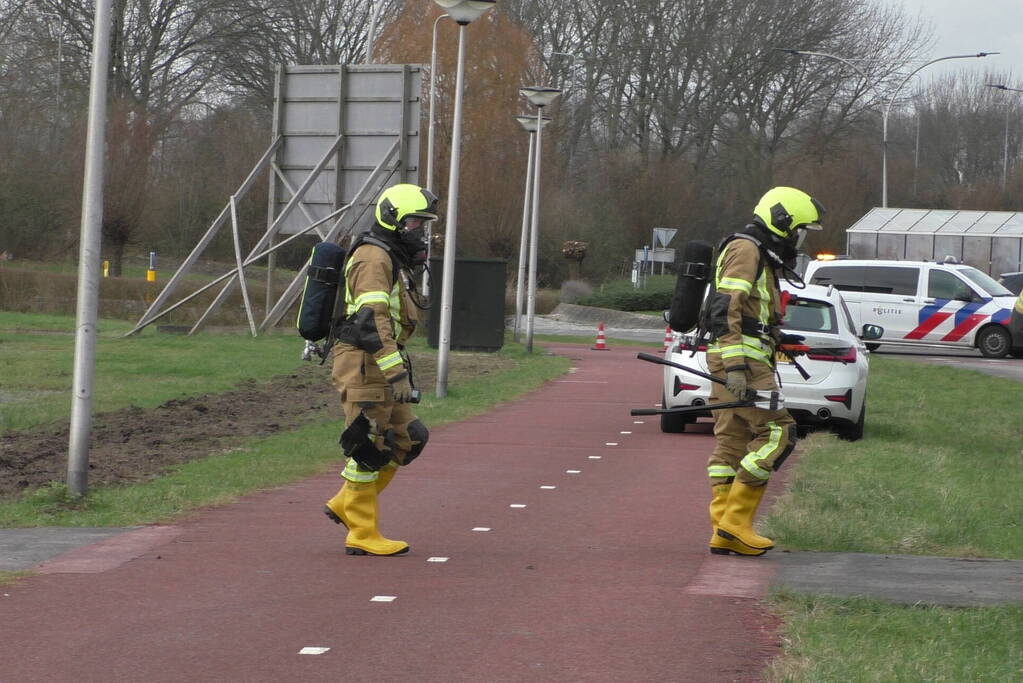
pixel 991 241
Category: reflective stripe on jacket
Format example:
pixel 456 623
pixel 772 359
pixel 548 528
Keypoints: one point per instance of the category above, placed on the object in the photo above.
pixel 752 297
pixel 370 282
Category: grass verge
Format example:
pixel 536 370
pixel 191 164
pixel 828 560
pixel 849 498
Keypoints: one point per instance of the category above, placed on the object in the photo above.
pixel 262 463
pixel 11 577
pixel 36 363
pixel 836 639
pixel 938 473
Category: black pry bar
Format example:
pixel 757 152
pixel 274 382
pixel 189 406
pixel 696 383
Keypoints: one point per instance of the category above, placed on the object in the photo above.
pixel 660 361
pixel 773 400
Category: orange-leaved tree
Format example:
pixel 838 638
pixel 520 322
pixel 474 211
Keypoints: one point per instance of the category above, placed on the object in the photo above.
pixel 500 58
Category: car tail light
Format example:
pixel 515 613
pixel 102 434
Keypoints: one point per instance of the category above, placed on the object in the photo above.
pixel 841 355
pixel 681 386
pixel 845 399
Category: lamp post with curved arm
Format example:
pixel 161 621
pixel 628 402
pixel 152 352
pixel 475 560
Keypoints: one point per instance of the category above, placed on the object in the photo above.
pixel 888 110
pixel 888 107
pixel 1005 151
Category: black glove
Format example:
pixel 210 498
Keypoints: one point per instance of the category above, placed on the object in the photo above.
pixel 738 385
pixel 787 338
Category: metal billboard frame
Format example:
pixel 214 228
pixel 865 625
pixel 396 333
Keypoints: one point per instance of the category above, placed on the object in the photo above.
pixel 331 154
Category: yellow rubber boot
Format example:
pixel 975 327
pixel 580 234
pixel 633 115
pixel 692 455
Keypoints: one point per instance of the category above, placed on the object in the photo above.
pixel 736 523
pixel 720 545
pixel 359 503
pixel 384 477
pixel 334 508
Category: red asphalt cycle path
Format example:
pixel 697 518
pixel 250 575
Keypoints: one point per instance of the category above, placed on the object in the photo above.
pixel 605 577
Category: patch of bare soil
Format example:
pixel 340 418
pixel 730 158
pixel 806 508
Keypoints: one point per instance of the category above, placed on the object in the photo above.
pixel 134 445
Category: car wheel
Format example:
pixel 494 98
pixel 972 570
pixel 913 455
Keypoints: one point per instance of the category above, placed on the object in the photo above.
pixel 853 431
pixel 873 347
pixel 674 423
pixel 994 341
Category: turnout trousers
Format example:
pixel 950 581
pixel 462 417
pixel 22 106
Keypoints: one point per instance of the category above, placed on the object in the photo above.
pixel 751 442
pixel 364 389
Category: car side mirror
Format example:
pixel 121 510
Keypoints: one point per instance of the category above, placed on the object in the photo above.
pixel 666 315
pixel 872 332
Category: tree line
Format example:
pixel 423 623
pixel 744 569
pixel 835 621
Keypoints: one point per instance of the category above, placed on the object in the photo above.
pixel 674 113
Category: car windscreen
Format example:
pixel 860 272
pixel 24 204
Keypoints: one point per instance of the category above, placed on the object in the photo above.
pixel 809 315
pixel 985 282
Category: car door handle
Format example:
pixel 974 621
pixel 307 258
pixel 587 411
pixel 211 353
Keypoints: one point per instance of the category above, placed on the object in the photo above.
pixel 909 300
pixel 928 301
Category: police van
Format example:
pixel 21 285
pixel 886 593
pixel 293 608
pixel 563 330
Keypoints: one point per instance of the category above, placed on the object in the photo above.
pixel 923 303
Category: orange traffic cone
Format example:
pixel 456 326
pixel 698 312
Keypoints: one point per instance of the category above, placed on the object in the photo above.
pixel 601 344
pixel 667 337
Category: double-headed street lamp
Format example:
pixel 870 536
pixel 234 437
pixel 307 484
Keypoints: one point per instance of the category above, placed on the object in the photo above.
pixel 528 123
pixel 464 12
pixel 539 97
pixel 888 107
pixel 1005 152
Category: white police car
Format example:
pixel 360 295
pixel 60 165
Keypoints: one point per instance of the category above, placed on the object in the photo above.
pixel 834 395
pixel 923 303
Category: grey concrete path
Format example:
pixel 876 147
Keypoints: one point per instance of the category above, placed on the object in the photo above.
pixel 906 579
pixel 22 549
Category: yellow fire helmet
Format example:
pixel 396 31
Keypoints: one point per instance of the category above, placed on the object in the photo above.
pixel 785 209
pixel 398 202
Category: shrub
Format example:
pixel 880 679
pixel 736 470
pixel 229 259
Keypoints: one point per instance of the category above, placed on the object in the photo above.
pixel 622 296
pixel 574 290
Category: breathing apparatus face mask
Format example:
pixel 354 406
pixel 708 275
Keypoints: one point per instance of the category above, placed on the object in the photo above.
pixel 413 241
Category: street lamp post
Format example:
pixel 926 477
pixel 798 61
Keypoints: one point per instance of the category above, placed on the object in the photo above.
pixel 371 32
pixel 888 108
pixel 464 12
pixel 429 142
pixel 539 97
pixel 1005 151
pixel 528 123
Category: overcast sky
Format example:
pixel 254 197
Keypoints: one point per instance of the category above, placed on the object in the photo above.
pixel 971 26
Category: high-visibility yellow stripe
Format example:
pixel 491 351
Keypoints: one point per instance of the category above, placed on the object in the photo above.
pixel 352 472
pixel 377 297
pixel 740 351
pixel 720 471
pixel 751 463
pixel 389 361
pixel 765 297
pixel 735 283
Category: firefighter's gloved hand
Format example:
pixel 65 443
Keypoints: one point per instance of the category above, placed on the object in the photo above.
pixel 738 385
pixel 791 339
pixel 401 388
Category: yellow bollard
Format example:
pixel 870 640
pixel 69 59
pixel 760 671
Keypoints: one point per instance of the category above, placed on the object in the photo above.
pixel 150 275
pixel 106 268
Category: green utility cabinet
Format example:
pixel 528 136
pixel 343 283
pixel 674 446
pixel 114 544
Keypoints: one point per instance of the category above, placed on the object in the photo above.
pixel 477 307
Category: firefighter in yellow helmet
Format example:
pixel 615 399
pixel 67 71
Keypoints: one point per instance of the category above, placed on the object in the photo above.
pixel 371 369
pixel 743 315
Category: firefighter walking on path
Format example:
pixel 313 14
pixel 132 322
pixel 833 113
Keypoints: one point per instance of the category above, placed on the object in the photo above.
pixel 372 371
pixel 743 314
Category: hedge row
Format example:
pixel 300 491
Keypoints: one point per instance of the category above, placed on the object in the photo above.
pixel 621 295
